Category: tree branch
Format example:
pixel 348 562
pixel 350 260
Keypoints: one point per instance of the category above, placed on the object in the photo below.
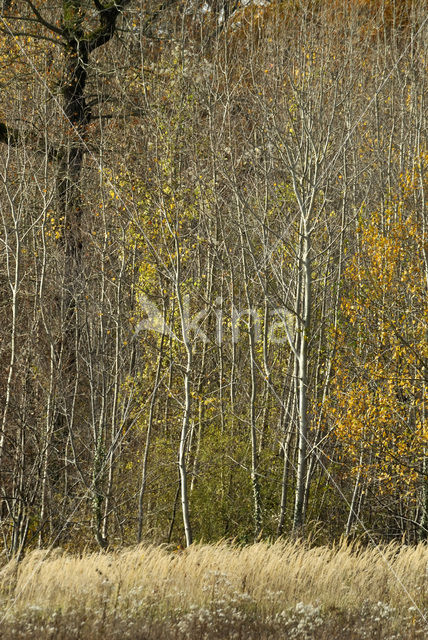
pixel 36 36
pixel 108 17
pixel 155 15
pixel 14 137
pixel 7 5
pixel 42 21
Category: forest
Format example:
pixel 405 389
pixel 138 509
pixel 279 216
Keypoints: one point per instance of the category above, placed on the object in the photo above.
pixel 213 272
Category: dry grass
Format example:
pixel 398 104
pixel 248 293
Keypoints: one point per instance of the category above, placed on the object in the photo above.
pixel 282 590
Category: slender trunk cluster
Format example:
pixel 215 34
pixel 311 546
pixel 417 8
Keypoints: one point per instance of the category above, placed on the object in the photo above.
pixel 213 271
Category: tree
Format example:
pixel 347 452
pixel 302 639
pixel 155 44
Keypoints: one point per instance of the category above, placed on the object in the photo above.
pixel 379 389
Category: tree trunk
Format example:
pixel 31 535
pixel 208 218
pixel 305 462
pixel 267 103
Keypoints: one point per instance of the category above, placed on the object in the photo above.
pixel 303 385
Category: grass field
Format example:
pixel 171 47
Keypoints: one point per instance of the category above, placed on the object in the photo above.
pixel 279 591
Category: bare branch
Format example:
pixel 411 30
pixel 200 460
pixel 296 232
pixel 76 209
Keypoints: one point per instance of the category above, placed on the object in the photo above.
pixel 42 20
pixel 26 34
pixel 37 143
pixel 155 15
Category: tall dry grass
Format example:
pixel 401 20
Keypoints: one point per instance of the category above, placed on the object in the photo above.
pixel 223 591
